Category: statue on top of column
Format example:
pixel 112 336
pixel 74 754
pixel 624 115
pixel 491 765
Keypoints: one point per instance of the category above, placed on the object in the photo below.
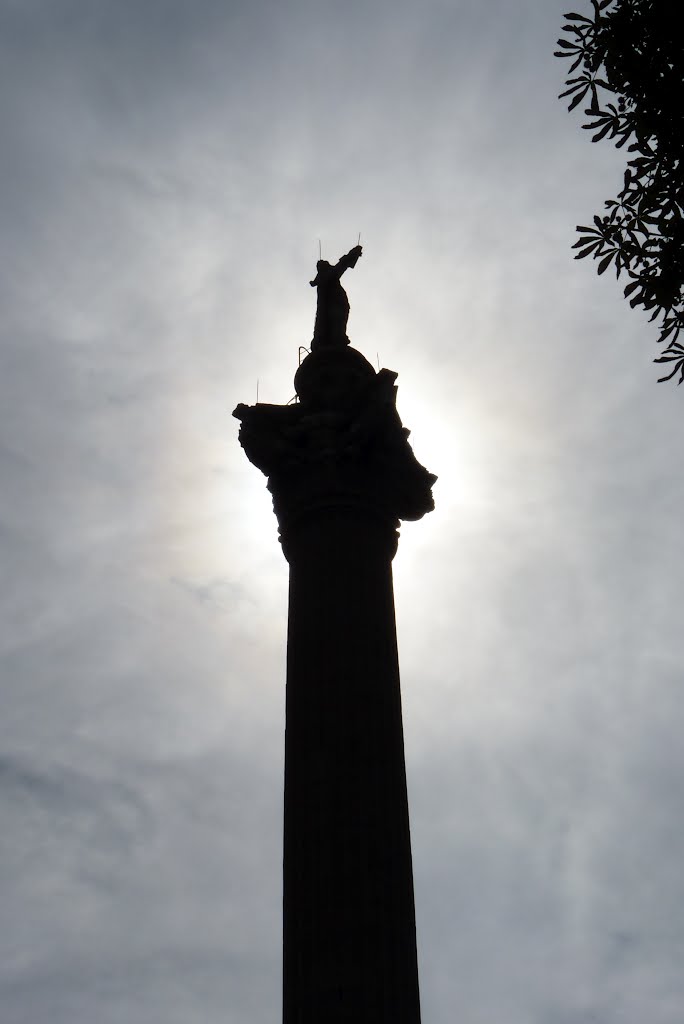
pixel 332 309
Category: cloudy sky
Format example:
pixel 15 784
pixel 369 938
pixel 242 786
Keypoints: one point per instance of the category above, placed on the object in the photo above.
pixel 167 170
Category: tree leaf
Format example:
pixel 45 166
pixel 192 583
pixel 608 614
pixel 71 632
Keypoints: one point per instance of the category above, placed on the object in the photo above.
pixel 578 98
pixel 670 375
pixel 573 88
pixel 605 262
pixel 602 134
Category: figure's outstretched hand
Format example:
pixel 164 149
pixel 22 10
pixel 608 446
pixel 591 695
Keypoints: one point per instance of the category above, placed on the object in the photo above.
pixel 350 259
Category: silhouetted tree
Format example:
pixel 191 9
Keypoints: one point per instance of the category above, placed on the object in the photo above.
pixel 634 50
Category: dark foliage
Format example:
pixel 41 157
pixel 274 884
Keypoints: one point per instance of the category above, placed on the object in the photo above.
pixel 634 50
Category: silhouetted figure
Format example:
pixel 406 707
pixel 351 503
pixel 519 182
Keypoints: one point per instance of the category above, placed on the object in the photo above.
pixel 332 309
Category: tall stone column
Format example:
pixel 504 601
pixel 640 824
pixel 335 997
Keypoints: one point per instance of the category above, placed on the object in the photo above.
pixel 342 474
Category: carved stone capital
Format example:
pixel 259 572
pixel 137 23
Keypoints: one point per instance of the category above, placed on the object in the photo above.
pixel 341 449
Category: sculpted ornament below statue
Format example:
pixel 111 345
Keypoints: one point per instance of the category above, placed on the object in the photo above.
pixel 332 309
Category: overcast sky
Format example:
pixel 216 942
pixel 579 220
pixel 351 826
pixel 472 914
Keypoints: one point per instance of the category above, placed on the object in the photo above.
pixel 167 168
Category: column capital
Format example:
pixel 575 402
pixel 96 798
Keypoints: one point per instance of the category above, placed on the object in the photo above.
pixel 340 449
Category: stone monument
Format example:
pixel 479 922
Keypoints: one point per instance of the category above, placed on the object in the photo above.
pixel 342 475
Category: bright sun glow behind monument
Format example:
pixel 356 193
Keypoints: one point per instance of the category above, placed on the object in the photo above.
pixel 456 454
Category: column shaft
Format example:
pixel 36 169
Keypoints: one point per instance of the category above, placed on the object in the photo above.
pixel 349 920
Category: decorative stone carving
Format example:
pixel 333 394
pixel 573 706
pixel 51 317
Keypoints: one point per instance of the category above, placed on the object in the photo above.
pixel 341 445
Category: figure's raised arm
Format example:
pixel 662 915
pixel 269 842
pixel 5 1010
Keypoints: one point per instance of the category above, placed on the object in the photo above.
pixel 348 261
